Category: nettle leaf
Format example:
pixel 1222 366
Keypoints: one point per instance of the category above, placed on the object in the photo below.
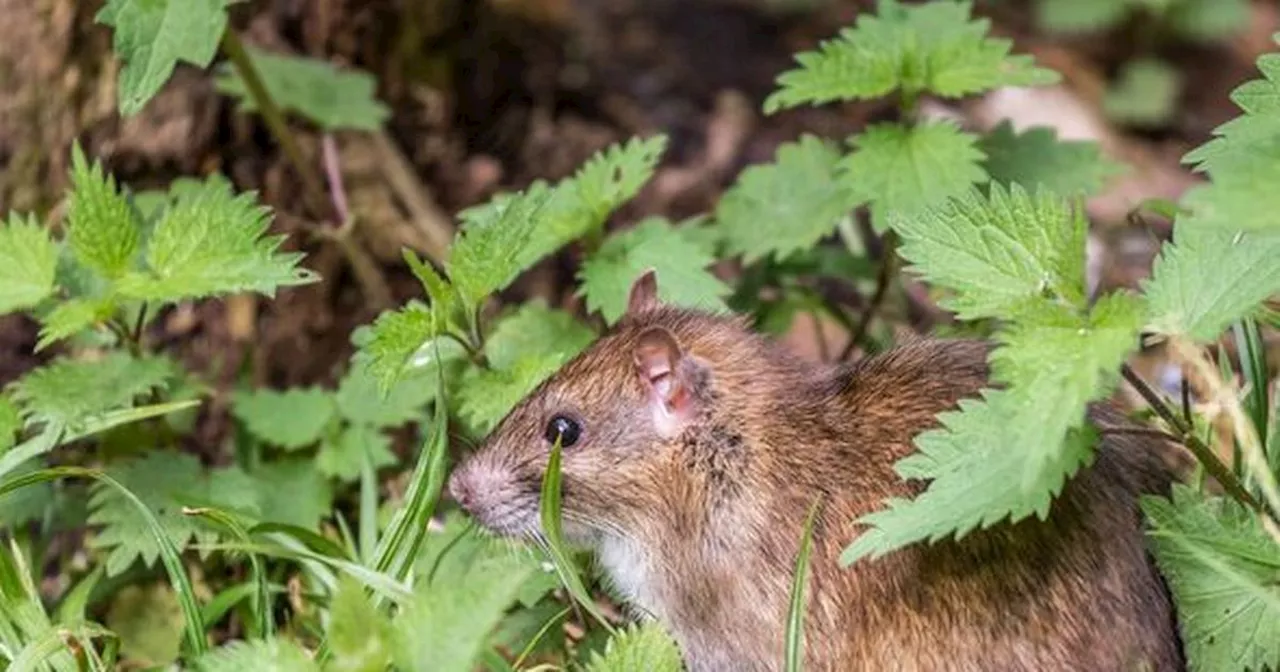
pixel 394 338
pixel 447 630
pixel 101 228
pixel 70 318
pixel 525 348
pixel 331 98
pixel 28 264
pixel 69 392
pixel 152 36
pixel 291 419
pixel 1006 456
pixel 1081 16
pixel 645 646
pixel 1144 94
pixel 998 252
pixel 904 170
pixel 344 455
pixel 652 244
pixel 1259 99
pixel 489 251
pixel 158 478
pixel 1206 279
pixel 10 423
pixel 786 206
pixel 935 47
pixel 1036 157
pixel 275 655
pixel 360 401
pixel 1221 566
pixel 148 620
pixel 293 491
pixel 358 634
pixel 28 503
pixel 211 241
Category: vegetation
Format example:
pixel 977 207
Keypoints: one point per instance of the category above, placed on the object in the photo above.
pixel 294 555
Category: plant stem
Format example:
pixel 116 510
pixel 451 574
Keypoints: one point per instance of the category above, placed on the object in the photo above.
pixel 888 269
pixel 1185 435
pixel 138 325
pixel 333 172
pixel 312 187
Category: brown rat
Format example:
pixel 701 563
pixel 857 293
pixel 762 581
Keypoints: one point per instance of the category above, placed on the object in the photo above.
pixel 693 447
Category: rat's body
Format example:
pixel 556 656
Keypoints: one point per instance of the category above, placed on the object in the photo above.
pixel 701 448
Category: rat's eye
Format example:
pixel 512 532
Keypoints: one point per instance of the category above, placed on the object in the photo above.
pixel 566 428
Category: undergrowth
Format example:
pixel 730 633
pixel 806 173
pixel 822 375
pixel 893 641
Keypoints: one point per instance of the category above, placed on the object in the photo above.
pixel 293 555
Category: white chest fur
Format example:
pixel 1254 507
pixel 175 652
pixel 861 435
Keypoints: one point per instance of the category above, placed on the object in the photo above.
pixel 629 570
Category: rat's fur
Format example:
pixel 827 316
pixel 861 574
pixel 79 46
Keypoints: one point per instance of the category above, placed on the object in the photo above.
pixel 701 531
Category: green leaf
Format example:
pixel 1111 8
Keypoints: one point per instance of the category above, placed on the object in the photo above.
pixel 359 634
pixel 101 228
pixel 70 318
pixel 360 401
pixel 652 244
pixel 292 491
pixel 788 205
pixel 1036 157
pixel 28 264
pixel 264 655
pixel 331 98
pixel 641 647
pixel 152 36
pixel 1145 93
pixel 10 423
pixel 447 630
pixel 1242 195
pixel 1006 456
pixel 1080 16
pixel 492 247
pixel 71 392
pixel 28 504
pixel 148 620
pixel 292 419
pixel 1208 20
pixel 526 347
pixel 210 242
pixel 1259 99
pixel 1205 280
pixel 904 170
pixel 998 252
pixel 343 456
pixel 394 339
pixel 1221 566
pixel 935 47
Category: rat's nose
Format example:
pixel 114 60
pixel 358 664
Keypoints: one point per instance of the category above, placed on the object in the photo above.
pixel 460 489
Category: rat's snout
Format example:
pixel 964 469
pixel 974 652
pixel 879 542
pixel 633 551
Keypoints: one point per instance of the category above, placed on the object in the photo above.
pixel 488 489
pixel 461 488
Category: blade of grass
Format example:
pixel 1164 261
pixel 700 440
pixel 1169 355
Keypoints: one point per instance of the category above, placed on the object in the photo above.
pixel 382 584
pixel 795 615
pixel 76 602
pixel 1253 364
pixel 260 600
pixel 313 541
pixel 542 632
pixel 368 510
pixel 35 446
pixel 168 552
pixel 549 511
pixel 54 641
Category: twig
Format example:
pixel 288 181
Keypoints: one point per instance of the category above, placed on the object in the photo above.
pixel 424 213
pixel 1186 436
pixel 333 172
pixel 312 187
pixel 888 269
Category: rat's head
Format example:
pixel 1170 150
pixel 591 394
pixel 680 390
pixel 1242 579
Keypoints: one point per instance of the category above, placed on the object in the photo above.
pixel 635 414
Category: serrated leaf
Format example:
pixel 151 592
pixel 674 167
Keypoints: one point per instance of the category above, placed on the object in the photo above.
pixel 447 630
pixel 394 338
pixel 291 419
pixel 70 392
pixel 526 347
pixel 332 98
pixel 27 504
pixel 1206 279
pixel 935 47
pixel 904 170
pixel 645 646
pixel 1036 157
pixel 211 241
pixel 1242 195
pixel 358 632
pixel 292 491
pixel 157 478
pixel 28 264
pixel 359 400
pixel 998 252
pixel 1221 566
pixel 1259 99
pixel 1006 456
pixel 343 456
pixel 101 227
pixel 788 205
pixel 263 655
pixel 1144 94
pixel 152 36
pixel 148 621
pixel 70 318
pixel 654 243
pixel 1080 16
pixel 491 249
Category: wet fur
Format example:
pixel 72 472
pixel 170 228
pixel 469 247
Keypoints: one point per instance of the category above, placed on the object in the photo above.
pixel 702 531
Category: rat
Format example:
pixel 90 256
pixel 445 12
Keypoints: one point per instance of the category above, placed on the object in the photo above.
pixel 693 447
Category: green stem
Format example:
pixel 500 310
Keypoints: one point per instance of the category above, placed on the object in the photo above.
pixel 313 189
pixel 888 269
pixel 1186 435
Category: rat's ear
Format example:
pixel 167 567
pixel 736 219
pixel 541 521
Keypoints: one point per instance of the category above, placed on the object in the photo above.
pixel 644 293
pixel 665 376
